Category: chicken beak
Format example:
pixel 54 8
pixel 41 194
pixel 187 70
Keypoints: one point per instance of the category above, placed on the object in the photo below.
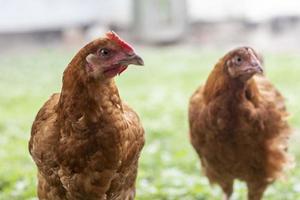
pixel 132 60
pixel 252 69
pixel 257 68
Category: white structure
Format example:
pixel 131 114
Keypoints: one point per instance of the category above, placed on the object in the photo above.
pixel 253 10
pixel 160 21
pixel 28 15
pixel 31 15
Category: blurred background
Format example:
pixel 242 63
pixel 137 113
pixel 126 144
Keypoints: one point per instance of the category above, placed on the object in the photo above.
pixel 266 24
pixel 180 41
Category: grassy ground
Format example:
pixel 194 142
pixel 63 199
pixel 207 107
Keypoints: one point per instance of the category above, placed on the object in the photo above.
pixel 159 92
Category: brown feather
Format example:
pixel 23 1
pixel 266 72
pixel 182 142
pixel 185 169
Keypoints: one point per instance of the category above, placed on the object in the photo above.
pixel 239 130
pixel 85 141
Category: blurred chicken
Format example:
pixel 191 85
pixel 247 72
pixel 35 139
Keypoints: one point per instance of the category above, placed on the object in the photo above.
pixel 85 141
pixel 238 125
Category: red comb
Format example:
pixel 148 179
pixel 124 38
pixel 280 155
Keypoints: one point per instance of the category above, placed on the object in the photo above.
pixel 114 37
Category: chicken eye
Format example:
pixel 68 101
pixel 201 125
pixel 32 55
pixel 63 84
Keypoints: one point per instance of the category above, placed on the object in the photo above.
pixel 238 59
pixel 104 52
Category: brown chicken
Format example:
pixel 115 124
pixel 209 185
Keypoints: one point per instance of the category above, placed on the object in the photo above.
pixel 85 141
pixel 238 125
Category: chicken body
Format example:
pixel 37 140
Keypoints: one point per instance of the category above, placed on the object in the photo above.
pixel 85 141
pixel 238 128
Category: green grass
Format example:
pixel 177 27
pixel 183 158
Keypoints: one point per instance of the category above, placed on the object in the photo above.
pixel 159 92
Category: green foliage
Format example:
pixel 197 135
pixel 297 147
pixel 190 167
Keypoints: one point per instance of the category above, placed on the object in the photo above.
pixel 159 92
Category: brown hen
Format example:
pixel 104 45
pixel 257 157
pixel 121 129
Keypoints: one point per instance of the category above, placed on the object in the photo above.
pixel 85 141
pixel 238 125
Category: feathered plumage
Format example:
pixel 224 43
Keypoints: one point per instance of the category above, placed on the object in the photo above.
pixel 85 141
pixel 238 125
